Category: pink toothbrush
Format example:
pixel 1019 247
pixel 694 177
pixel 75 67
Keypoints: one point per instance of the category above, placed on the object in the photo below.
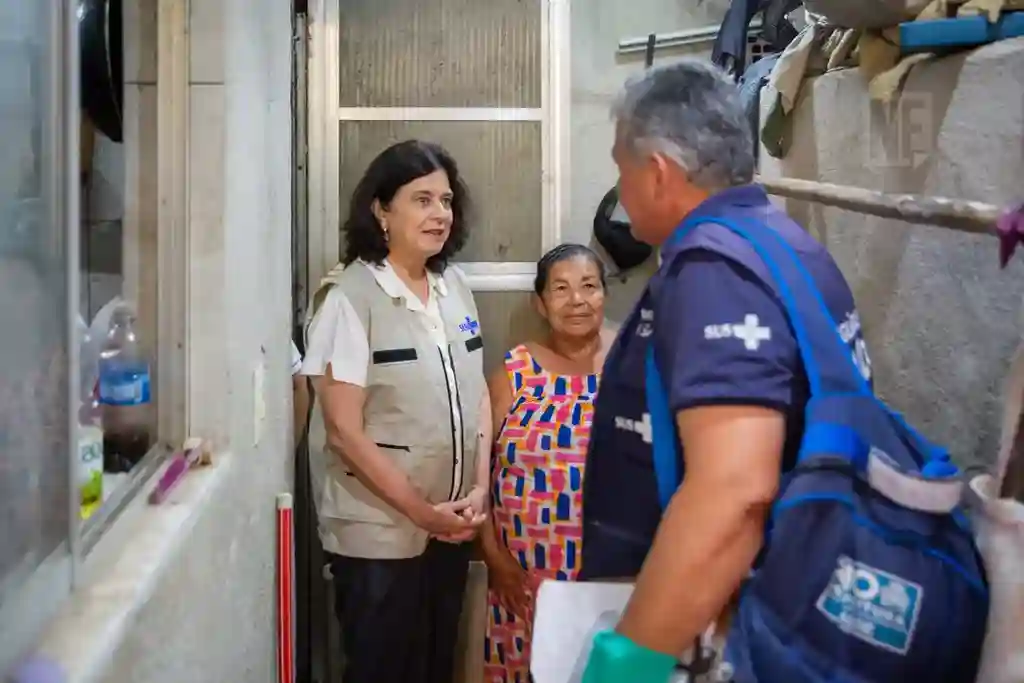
pixel 188 457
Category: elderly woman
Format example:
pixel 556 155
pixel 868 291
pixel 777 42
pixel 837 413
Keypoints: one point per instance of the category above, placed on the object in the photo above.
pixel 542 402
pixel 735 383
pixel 395 354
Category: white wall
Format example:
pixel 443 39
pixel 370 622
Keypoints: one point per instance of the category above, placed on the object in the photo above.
pixel 597 74
pixel 211 618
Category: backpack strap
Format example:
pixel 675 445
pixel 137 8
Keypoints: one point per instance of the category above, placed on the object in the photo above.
pixel 664 444
pixel 668 466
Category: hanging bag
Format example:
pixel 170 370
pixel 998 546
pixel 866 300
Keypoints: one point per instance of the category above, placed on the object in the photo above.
pixel 999 524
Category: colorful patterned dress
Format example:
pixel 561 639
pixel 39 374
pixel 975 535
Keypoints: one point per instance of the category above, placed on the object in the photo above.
pixel 537 487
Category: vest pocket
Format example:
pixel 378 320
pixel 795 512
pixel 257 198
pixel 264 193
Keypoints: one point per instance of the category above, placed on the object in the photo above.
pixel 393 447
pixel 390 356
pixel 346 498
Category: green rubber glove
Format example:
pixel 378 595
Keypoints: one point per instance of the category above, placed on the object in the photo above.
pixel 615 658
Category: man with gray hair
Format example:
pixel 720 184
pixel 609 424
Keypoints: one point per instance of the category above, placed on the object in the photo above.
pixel 735 387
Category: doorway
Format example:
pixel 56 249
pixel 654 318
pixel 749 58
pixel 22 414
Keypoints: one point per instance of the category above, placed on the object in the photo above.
pixel 489 81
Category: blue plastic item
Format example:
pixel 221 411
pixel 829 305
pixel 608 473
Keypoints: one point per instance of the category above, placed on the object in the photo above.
pixel 938 35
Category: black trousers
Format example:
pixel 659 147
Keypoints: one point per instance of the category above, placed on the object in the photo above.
pixel 400 618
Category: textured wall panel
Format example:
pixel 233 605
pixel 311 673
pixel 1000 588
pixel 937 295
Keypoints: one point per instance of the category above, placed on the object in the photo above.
pixel 506 319
pixel 500 163
pixel 940 318
pixel 440 53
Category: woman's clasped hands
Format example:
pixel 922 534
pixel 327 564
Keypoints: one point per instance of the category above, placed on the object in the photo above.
pixel 457 521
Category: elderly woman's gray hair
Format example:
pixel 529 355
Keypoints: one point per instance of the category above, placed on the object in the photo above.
pixel 691 112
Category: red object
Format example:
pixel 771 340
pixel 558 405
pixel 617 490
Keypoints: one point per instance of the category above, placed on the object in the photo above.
pixel 285 591
pixel 172 476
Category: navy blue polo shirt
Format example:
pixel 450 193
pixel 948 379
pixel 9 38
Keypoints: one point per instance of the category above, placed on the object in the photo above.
pixel 721 336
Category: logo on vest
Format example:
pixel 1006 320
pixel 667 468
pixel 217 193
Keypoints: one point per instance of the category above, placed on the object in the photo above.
pixel 875 606
pixel 645 328
pixel 641 426
pixel 470 326
pixel 750 332
pixel 850 332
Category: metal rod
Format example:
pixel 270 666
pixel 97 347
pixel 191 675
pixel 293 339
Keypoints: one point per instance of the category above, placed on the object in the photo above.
pixel 692 36
pixel 956 214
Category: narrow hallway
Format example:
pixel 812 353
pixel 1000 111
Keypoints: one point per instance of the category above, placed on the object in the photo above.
pixel 183 179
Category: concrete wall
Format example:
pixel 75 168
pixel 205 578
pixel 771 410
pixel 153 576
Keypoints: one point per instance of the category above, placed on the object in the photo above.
pixel 597 75
pixel 940 318
pixel 211 617
pixel 185 591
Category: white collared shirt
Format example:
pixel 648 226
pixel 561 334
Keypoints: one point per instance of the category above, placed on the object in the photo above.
pixel 337 337
pixel 296 360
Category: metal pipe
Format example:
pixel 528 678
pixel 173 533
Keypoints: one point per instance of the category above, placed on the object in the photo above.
pixel 956 214
pixel 693 36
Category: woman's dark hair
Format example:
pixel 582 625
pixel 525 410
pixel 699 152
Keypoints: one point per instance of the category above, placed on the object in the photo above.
pixel 564 252
pixel 399 165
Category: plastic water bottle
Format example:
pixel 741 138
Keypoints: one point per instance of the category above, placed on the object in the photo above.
pixel 90 427
pixel 124 393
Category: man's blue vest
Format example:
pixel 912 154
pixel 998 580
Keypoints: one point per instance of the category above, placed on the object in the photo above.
pixel 621 510
pixel 869 572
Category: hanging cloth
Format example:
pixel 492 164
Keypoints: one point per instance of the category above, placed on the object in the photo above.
pixel 730 49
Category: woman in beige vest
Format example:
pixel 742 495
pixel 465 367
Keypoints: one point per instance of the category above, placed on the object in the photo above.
pixel 395 352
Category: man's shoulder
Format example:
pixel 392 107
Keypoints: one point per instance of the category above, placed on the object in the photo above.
pixel 710 242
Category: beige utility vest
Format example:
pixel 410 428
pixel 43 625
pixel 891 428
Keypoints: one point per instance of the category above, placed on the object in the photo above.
pixel 408 413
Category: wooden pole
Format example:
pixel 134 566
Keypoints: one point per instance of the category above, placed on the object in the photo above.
pixel 955 214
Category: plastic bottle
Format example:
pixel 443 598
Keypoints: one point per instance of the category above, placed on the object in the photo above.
pixel 90 456
pixel 124 393
pixel 90 429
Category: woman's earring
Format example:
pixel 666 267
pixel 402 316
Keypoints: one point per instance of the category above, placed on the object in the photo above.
pixel 384 229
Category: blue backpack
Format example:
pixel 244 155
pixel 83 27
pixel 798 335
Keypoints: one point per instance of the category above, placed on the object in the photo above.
pixel 869 573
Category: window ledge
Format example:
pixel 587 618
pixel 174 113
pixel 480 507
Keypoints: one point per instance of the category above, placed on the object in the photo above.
pixel 122 571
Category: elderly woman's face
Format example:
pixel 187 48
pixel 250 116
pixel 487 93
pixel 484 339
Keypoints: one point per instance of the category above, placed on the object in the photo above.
pixel 418 219
pixel 573 300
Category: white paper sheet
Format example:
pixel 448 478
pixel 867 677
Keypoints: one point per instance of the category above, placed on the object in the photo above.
pixel 568 615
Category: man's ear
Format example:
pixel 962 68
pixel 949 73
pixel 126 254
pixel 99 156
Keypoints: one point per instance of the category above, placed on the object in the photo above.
pixel 660 168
